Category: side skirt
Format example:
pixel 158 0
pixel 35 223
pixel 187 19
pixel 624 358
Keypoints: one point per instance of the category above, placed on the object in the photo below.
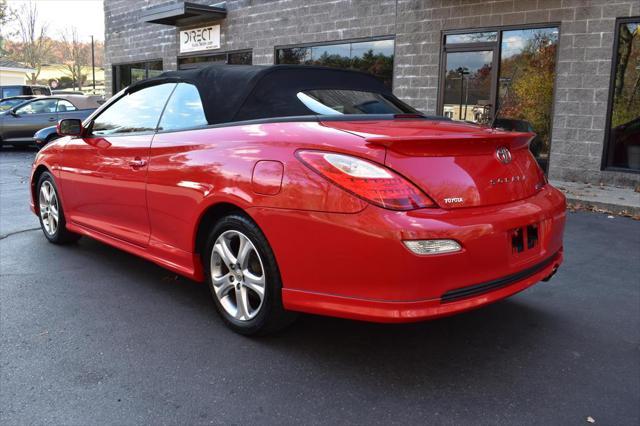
pixel 171 258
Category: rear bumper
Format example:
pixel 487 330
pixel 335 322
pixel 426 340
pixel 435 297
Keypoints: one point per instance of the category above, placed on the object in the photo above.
pixel 356 266
pixel 400 312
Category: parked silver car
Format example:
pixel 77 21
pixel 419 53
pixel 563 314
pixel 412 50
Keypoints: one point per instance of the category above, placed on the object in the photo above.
pixel 18 125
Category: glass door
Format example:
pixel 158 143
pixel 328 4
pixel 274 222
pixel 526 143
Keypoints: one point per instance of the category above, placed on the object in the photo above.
pixel 468 86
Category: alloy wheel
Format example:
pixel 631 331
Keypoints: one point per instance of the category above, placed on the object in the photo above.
pixel 237 274
pixel 49 208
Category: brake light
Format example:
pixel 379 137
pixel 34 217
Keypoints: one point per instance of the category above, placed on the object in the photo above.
pixel 365 179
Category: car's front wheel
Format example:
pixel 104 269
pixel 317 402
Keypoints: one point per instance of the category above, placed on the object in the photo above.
pixel 244 278
pixel 52 220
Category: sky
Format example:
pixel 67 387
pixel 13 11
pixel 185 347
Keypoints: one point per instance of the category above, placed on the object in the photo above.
pixel 86 15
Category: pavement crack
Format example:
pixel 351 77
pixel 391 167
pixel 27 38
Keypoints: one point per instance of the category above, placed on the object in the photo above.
pixel 3 236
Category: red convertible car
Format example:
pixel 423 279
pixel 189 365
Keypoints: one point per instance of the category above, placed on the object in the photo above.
pixel 299 189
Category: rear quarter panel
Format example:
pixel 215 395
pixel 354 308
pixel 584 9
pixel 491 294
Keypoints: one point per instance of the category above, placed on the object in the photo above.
pixel 190 171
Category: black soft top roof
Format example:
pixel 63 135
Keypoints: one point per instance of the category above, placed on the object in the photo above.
pixel 249 92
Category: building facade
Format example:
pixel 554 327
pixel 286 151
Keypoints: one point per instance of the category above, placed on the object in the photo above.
pixel 567 69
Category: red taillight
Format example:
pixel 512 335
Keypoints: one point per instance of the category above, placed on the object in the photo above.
pixel 370 181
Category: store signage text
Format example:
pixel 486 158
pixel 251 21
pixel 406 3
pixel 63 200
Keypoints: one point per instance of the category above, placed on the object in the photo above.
pixel 196 39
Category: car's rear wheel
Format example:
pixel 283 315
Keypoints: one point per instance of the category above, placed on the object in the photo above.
pixel 51 214
pixel 244 278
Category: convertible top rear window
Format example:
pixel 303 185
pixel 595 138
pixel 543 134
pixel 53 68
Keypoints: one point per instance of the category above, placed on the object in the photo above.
pixel 338 102
pixel 231 93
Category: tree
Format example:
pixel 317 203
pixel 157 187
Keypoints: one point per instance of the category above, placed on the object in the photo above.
pixel 77 56
pixel 32 33
pixel 5 16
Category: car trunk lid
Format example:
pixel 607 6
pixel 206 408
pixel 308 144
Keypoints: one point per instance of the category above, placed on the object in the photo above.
pixel 456 164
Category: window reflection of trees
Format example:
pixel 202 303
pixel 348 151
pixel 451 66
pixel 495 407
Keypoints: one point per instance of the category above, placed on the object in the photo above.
pixel 624 133
pixel 374 57
pixel 527 75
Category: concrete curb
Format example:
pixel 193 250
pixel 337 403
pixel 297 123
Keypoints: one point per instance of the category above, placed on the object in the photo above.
pixel 601 207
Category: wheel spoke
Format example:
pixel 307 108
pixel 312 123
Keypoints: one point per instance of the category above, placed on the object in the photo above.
pixel 54 211
pixel 222 286
pixel 222 248
pixel 242 304
pixel 244 251
pixel 254 283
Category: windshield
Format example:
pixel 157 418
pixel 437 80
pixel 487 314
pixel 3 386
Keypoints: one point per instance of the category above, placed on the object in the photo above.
pixel 338 102
pixel 10 103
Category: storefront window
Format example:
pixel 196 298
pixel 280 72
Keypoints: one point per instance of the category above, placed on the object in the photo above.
pixel 244 57
pixel 127 74
pixel 624 119
pixel 374 57
pixel 511 69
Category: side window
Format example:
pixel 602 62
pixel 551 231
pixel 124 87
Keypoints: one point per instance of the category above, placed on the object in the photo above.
pixel 64 106
pixel 136 112
pixel 184 110
pixel 42 106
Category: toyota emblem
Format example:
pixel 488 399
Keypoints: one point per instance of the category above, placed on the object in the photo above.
pixel 504 155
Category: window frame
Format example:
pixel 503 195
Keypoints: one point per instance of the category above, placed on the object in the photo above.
pixel 75 108
pixel 607 145
pixel 344 41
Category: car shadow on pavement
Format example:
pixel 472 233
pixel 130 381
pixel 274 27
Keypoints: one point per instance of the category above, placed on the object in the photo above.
pixel 502 333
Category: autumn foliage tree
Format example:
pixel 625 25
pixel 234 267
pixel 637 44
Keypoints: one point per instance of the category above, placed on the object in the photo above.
pixel 528 91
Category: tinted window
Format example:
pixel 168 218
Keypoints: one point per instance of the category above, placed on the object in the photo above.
pixel 336 102
pixel 624 121
pixel 374 57
pixel 125 75
pixel 42 106
pixel 135 112
pixel 40 91
pixel 12 91
pixel 64 106
pixel 472 37
pixel 184 109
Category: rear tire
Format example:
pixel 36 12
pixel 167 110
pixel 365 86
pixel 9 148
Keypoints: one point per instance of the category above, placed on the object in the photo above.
pixel 240 267
pixel 50 212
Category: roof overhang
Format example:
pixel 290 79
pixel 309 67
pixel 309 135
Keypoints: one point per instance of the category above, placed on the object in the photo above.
pixel 183 13
pixel 18 70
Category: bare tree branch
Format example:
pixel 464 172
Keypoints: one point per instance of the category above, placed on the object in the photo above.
pixel 34 51
pixel 77 56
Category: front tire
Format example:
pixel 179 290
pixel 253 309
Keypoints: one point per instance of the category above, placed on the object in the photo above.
pixel 243 277
pixel 50 212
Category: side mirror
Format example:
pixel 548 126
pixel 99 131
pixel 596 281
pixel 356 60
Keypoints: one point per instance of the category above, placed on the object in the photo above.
pixel 69 127
pixel 14 113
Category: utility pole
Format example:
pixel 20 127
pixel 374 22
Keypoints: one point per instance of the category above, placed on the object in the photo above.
pixel 462 71
pixel 93 66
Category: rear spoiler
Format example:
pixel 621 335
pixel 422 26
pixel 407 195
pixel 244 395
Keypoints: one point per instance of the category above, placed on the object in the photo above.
pixel 439 145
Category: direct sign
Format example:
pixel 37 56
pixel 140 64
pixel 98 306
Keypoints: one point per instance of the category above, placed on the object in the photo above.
pixel 197 39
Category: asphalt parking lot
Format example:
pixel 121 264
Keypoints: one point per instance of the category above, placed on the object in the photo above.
pixel 91 335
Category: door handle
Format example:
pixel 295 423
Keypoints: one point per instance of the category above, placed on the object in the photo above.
pixel 52 119
pixel 137 163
